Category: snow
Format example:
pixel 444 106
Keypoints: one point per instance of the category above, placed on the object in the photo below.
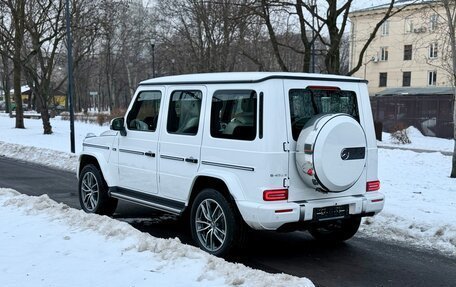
pixel 419 141
pixel 419 211
pixel 42 240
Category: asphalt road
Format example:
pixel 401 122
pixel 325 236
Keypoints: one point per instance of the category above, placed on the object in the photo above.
pixel 358 262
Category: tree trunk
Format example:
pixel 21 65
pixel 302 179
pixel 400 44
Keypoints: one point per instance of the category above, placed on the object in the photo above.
pixel 44 111
pixel 6 83
pixel 47 128
pixel 17 92
pixel 453 166
pixel 18 22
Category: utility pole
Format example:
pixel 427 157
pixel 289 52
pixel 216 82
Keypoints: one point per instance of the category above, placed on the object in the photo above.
pixel 70 74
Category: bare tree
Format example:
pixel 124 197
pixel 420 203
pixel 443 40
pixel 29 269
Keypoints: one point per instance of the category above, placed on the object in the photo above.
pixel 450 19
pixel 14 11
pixel 329 29
pixel 45 32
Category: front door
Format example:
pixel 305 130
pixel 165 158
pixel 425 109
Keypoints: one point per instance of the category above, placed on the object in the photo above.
pixel 138 150
pixel 180 141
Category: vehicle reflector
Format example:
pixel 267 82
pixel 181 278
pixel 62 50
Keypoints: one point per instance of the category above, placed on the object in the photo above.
pixel 377 200
pixel 275 194
pixel 373 185
pixel 310 172
pixel 283 210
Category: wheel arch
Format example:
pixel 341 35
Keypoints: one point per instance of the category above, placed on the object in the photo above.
pixel 226 184
pixel 91 158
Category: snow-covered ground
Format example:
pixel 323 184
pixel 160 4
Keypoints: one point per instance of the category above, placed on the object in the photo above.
pixel 419 210
pixel 42 240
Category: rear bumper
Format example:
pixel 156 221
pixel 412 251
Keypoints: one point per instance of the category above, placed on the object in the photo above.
pixel 274 215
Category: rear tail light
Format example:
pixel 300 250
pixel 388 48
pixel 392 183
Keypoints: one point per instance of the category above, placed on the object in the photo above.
pixel 373 185
pixel 275 194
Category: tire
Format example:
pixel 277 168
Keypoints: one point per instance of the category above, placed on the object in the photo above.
pixel 216 226
pixel 337 230
pixel 93 192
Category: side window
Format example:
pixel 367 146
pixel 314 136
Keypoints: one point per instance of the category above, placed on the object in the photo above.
pixel 184 112
pixel 234 114
pixel 306 103
pixel 143 116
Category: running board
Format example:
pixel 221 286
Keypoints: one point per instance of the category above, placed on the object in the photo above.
pixel 148 200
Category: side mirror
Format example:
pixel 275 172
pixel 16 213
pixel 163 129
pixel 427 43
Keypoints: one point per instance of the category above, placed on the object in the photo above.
pixel 117 124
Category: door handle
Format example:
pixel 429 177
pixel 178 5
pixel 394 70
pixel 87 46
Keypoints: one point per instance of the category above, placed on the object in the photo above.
pixel 150 154
pixel 191 160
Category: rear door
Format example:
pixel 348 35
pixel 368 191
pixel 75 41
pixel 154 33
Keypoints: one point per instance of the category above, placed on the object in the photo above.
pixel 328 97
pixel 180 141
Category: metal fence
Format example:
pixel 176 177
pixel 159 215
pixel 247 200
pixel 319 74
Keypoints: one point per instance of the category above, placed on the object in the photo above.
pixel 431 114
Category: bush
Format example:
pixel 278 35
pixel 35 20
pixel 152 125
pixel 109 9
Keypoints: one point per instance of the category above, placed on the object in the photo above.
pixel 400 136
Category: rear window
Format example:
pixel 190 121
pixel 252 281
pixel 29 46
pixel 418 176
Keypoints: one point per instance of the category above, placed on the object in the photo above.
pixel 306 103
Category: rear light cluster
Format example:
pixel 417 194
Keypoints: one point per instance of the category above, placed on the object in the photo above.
pixel 275 194
pixel 373 185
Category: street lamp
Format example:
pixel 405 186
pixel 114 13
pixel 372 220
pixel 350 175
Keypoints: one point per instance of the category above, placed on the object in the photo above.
pixel 152 44
pixel 313 6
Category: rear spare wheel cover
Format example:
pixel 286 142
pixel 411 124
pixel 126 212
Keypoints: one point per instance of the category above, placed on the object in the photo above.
pixel 335 152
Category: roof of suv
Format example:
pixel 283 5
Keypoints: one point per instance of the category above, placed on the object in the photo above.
pixel 244 77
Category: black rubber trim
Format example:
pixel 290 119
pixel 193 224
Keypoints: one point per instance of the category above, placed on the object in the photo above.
pixel 95 146
pixel 131 151
pixel 172 157
pixel 166 202
pixel 240 167
pixel 257 81
pixel 260 128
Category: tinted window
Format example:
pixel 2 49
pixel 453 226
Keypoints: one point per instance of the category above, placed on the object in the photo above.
pixel 143 116
pixel 234 114
pixel 306 103
pixel 184 112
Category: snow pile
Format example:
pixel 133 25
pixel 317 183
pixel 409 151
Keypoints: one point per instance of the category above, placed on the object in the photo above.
pixel 418 141
pixel 48 157
pixel 45 243
pixel 420 200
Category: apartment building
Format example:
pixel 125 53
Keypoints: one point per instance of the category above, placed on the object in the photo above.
pixel 410 49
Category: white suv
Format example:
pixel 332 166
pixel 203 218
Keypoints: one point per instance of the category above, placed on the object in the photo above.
pixel 271 151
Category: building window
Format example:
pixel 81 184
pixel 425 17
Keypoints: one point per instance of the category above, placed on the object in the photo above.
pixel 433 50
pixel 383 79
pixel 406 79
pixel 408 25
pixel 384 54
pixel 407 52
pixel 433 22
pixel 432 78
pixel 385 28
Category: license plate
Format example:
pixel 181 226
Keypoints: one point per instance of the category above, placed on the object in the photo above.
pixel 331 212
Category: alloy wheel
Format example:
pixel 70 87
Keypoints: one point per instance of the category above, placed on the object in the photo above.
pixel 90 191
pixel 210 223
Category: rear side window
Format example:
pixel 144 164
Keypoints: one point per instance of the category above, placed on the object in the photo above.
pixel 306 103
pixel 184 112
pixel 143 116
pixel 234 114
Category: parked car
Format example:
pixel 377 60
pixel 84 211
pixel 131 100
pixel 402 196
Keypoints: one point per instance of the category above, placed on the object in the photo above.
pixel 268 151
